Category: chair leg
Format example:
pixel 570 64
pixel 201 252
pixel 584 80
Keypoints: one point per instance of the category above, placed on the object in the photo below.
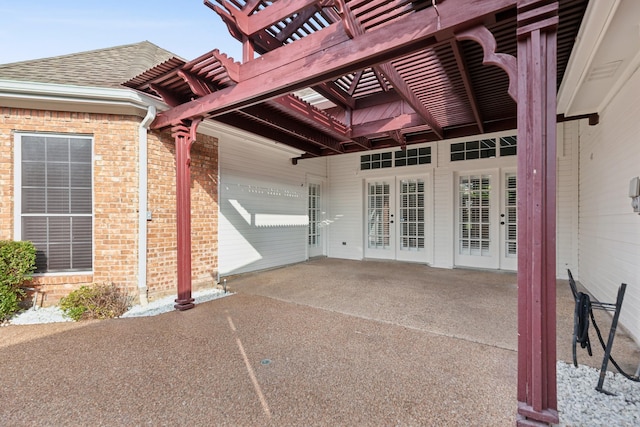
pixel 612 333
pixel 574 341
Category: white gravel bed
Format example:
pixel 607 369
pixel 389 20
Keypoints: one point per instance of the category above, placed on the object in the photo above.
pixel 163 305
pixel 580 404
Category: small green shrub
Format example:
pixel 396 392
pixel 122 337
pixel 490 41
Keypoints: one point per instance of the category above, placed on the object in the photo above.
pixel 96 301
pixel 17 263
pixel 9 301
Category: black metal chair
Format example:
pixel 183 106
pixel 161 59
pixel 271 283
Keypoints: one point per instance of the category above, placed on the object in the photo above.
pixel 582 314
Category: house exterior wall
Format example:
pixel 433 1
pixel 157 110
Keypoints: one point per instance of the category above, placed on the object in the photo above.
pixel 443 202
pixel 115 199
pixel 263 209
pixel 347 198
pixel 567 199
pixel 609 230
pixel 346 207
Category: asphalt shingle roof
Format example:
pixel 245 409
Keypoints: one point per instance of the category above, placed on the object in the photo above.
pixel 108 67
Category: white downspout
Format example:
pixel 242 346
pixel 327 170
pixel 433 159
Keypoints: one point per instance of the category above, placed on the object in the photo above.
pixel 142 207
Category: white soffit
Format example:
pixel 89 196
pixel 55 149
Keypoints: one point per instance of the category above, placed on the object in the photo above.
pixel 607 53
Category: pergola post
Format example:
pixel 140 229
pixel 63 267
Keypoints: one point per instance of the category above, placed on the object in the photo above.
pixel 184 136
pixel 537 394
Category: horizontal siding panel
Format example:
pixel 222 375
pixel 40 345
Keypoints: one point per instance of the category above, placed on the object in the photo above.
pixel 609 231
pixel 263 220
pixel 345 222
pixel 443 217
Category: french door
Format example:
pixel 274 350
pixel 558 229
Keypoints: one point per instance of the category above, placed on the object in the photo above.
pixel 486 220
pixel 316 213
pixel 396 219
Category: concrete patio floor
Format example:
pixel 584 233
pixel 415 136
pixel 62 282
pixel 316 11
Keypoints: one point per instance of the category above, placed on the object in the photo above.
pixel 326 342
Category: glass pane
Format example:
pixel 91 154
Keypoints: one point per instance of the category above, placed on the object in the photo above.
pixel 57 175
pixel 81 229
pixel 59 229
pixel 457 156
pixel 33 200
pixel 81 201
pixel 81 150
pixel 33 148
pixel 57 149
pixel 472 145
pixel 33 174
pixel 81 175
pixel 58 200
pixel 59 256
pixel 81 256
pixel 34 229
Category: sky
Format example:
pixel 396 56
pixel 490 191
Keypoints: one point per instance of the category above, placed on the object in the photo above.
pixel 40 29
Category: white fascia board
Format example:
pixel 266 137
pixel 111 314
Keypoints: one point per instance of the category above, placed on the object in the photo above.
pixel 595 24
pixel 23 94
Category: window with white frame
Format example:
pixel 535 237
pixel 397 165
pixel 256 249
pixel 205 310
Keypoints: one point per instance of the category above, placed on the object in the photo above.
pixel 54 202
pixel 484 148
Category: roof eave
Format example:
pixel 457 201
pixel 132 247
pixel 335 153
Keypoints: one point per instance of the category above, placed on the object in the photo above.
pixel 57 97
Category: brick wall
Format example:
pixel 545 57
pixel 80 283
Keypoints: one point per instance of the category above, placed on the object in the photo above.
pixel 161 243
pixel 116 200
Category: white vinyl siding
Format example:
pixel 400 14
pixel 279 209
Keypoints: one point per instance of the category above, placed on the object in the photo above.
pixel 346 214
pixel 263 219
pixel 567 200
pixel 609 230
pixel 54 202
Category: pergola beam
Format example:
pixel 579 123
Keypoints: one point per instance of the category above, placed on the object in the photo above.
pixel 331 53
pixel 335 94
pixel 239 119
pixel 386 125
pixel 306 111
pixel 276 12
pixel 396 80
pixel 295 128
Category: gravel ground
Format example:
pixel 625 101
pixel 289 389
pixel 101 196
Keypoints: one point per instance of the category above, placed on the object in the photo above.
pixel 578 401
pixel 163 305
pixel 580 404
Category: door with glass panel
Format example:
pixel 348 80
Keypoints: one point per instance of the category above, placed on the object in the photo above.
pixel 486 227
pixel 315 235
pixel 396 220
pixel 508 223
pixel 380 219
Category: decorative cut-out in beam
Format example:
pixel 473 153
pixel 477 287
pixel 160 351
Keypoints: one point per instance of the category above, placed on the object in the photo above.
pixel 508 63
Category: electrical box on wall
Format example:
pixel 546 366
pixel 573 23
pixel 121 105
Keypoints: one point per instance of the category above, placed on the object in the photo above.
pixel 634 193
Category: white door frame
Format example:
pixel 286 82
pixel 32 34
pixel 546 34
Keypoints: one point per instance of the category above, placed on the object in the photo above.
pixel 484 227
pixel 380 206
pixel 508 220
pixel 397 249
pixel 319 247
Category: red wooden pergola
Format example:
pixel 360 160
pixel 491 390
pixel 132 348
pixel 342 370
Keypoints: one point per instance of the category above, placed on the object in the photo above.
pixel 397 72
